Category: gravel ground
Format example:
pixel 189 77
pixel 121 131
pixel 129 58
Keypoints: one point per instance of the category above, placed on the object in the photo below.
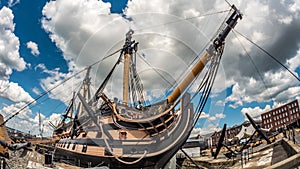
pixel 31 160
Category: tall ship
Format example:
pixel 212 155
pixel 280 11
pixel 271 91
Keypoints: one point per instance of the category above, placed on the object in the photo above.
pixel 127 132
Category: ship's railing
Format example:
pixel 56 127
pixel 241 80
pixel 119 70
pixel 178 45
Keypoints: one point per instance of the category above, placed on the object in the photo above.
pixel 146 112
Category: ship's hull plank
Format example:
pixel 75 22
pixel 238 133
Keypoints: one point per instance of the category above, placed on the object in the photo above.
pixel 153 151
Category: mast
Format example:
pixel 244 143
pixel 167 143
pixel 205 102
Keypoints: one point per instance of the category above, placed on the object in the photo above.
pixel 127 57
pixel 126 78
pixel 85 87
pixel 217 45
pixel 86 83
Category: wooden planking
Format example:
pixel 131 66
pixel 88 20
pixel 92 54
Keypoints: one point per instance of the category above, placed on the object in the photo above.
pixel 118 151
pixel 96 151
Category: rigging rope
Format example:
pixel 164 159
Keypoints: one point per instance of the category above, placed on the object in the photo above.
pixel 247 53
pixel 208 83
pixel 104 137
pixel 155 69
pixel 182 19
pixel 267 53
pixel 54 87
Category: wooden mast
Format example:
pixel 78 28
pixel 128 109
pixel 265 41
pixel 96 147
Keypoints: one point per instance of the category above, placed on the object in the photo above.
pixel 217 44
pixel 127 57
pixel 126 78
pixel 85 87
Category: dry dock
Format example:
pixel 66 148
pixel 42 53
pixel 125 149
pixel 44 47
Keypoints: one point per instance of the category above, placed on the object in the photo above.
pixel 282 154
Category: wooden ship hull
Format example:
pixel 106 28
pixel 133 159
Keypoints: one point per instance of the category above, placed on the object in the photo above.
pixel 130 133
pixel 153 151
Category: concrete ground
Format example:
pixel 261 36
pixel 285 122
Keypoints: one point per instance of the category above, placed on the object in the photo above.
pixel 275 155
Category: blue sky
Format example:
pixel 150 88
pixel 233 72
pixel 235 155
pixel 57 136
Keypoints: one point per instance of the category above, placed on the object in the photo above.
pixel 65 36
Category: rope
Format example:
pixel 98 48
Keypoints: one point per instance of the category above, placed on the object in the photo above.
pixel 267 53
pixel 247 53
pixel 116 157
pixel 183 19
pixel 155 69
pixel 51 89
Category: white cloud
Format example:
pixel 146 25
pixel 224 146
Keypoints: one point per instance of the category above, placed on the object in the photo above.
pixel 262 27
pixel 212 118
pixel 27 121
pixel 255 112
pixel 14 92
pixel 220 103
pixel 33 47
pixel 36 91
pixel 294 62
pixel 9 45
pixel 211 128
pixel 286 19
pixel 295 7
pixel 10 59
pixel 204 115
pixel 40 66
pixel 9 110
pixel 86 31
pixel 220 115
pixel 278 86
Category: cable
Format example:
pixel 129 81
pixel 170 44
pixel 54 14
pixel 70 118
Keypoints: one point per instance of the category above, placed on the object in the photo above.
pixel 228 3
pixel 184 19
pixel 51 89
pixel 247 53
pixel 267 53
pixel 152 67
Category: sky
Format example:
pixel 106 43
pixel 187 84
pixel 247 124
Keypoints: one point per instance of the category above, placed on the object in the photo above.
pixel 44 42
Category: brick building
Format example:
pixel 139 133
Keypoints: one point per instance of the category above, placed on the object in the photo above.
pixel 229 135
pixel 281 116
